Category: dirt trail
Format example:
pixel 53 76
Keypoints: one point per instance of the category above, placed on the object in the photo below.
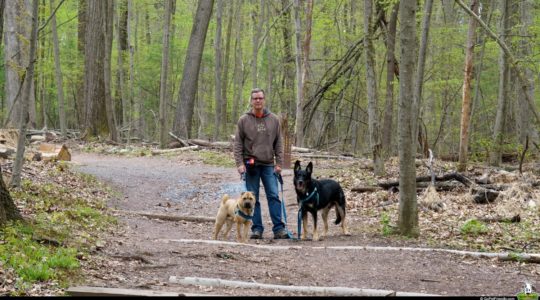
pixel 145 253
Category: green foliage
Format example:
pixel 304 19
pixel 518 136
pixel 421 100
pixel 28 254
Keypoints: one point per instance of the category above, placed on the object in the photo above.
pixel 387 228
pixel 31 260
pixel 65 224
pixel 473 227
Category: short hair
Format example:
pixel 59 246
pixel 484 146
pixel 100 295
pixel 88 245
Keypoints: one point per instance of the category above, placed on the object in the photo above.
pixel 255 90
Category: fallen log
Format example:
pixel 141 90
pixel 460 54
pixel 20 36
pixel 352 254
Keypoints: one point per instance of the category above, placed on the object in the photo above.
pixel 451 176
pixel 164 151
pixel 181 141
pixel 514 219
pixel 169 217
pixel 109 292
pixel 340 157
pixel 363 189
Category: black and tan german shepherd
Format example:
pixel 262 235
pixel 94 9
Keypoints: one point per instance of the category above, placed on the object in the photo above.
pixel 314 195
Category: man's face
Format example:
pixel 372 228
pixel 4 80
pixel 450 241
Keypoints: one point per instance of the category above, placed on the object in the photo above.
pixel 257 100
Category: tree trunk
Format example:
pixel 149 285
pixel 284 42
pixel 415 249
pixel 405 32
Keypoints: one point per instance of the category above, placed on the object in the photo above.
pixel 94 83
pixel 80 106
pixel 391 64
pixel 418 86
pixel 287 84
pixel 238 86
pixel 372 95
pixel 58 74
pixel 16 58
pixel 25 100
pixel 122 47
pixel 164 75
pixel 108 37
pixel 8 210
pixel 495 156
pixel 299 124
pixel 188 86
pixel 226 67
pixel 524 116
pixel 408 206
pixel 218 70
pixel 466 98
pixel 257 28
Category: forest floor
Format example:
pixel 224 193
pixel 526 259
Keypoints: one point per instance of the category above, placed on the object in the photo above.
pixel 156 254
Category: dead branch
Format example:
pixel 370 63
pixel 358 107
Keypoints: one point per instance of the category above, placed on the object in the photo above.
pixel 522 257
pixel 184 143
pixel 337 291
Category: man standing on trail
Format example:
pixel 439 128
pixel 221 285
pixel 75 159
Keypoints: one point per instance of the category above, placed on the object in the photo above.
pixel 258 153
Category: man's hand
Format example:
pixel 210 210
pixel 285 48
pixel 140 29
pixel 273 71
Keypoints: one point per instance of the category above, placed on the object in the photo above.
pixel 241 169
pixel 277 169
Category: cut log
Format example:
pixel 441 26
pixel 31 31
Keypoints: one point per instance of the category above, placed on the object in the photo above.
pixel 37 138
pixel 52 152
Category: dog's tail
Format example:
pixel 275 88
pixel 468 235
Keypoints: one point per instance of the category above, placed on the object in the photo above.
pixel 340 208
pixel 224 199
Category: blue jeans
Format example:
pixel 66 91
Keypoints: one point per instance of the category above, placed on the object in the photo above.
pixel 254 176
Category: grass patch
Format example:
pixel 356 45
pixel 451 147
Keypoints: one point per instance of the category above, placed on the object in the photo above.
pixel 64 219
pixel 217 159
pixel 473 227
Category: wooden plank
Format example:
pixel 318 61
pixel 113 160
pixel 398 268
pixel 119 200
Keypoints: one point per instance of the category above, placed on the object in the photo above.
pixel 102 291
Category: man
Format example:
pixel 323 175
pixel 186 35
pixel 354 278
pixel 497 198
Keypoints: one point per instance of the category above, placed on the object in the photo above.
pixel 258 152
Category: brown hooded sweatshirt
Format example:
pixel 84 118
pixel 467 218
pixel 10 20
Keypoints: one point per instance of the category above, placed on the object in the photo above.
pixel 258 138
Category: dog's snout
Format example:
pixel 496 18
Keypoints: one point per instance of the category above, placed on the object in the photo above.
pixel 247 205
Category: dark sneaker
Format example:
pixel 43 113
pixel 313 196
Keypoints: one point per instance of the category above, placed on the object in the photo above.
pixel 281 235
pixel 256 235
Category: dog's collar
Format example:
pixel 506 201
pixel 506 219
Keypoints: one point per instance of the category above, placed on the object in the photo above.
pixel 313 193
pixel 240 213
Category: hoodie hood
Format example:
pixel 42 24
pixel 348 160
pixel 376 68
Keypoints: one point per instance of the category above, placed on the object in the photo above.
pixel 266 112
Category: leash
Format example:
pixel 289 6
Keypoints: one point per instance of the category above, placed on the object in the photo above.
pixel 283 210
pixel 302 201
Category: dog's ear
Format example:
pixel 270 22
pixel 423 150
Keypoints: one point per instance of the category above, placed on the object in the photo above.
pixel 297 166
pixel 309 168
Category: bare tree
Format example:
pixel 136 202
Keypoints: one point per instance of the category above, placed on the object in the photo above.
pixel 25 100
pixel 164 74
pixel 495 155
pixel 16 34
pixel 408 208
pixel 372 95
pixel 188 86
pixel 58 73
pixel 419 82
pixel 466 98
pixel 217 70
pixel 391 69
pixel 299 124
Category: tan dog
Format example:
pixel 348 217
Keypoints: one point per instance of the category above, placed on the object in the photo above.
pixel 239 211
